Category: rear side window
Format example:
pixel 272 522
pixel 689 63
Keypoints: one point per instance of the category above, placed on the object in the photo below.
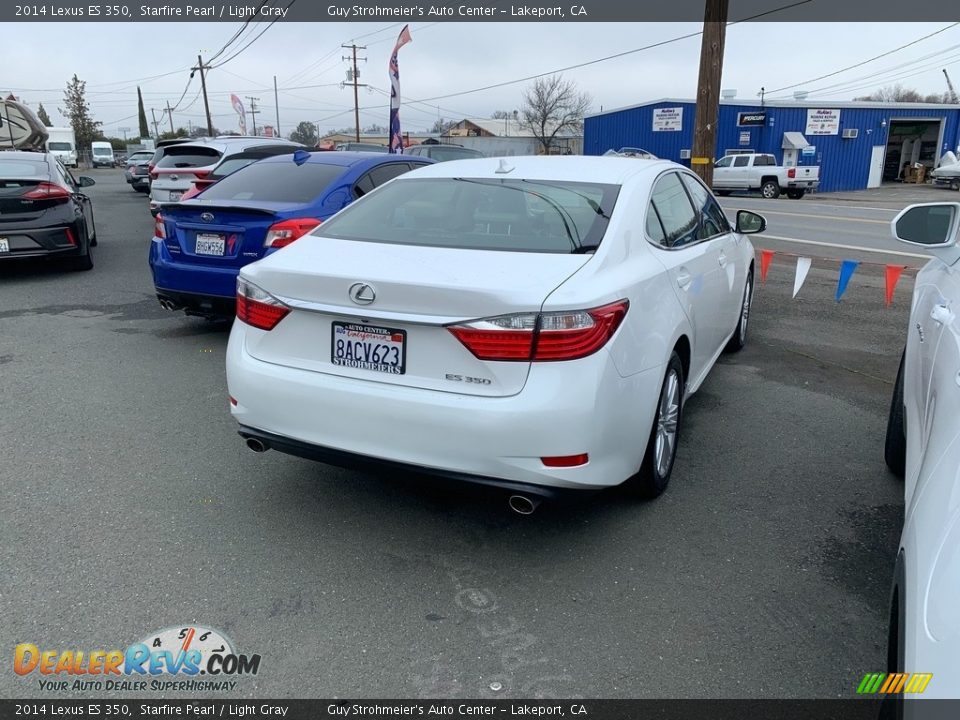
pixel 188 157
pixel 385 173
pixel 741 161
pixel 675 211
pixel 275 182
pixel 480 213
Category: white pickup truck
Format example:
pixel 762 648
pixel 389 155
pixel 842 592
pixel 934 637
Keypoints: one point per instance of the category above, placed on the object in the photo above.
pixel 757 171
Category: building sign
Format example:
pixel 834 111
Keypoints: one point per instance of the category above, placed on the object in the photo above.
pixel 668 119
pixel 809 151
pixel 745 138
pixel 823 122
pixel 751 119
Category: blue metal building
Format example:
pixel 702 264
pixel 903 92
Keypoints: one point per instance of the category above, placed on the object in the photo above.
pixel 856 144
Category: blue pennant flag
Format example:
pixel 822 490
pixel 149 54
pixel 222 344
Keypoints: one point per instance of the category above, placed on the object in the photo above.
pixel 846 272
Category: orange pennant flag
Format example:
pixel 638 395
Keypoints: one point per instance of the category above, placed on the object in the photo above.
pixel 893 276
pixel 766 257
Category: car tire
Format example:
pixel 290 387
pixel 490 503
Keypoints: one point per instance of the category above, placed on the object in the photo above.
pixel 770 189
pixel 796 194
pixel 955 185
pixel 895 445
pixel 739 338
pixel 661 451
pixel 80 263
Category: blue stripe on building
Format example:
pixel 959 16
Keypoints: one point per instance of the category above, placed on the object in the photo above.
pixel 845 162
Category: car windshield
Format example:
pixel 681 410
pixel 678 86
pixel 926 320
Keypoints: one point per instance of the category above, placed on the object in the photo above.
pixel 482 214
pixel 188 157
pixel 23 168
pixel 60 146
pixel 102 151
pixel 276 182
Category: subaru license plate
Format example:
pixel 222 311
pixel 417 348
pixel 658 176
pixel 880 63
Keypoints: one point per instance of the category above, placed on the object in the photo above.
pixel 210 244
pixel 175 195
pixel 365 347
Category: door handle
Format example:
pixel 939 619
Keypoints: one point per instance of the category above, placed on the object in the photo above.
pixel 722 260
pixel 683 279
pixel 942 314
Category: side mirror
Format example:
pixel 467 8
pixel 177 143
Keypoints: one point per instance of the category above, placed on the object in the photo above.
pixel 749 223
pixel 932 226
pixel 84 181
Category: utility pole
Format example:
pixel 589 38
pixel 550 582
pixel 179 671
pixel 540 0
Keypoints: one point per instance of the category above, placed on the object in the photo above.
pixel 276 104
pixel 354 76
pixel 253 111
pixel 156 132
pixel 203 84
pixel 170 115
pixel 708 89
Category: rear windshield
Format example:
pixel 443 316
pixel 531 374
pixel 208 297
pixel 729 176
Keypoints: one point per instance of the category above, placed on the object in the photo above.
pixel 276 182
pixel 483 214
pixel 235 162
pixel 188 157
pixel 23 169
pixel 59 146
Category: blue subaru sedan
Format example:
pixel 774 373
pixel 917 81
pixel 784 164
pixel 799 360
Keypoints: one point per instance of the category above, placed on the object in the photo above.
pixel 200 244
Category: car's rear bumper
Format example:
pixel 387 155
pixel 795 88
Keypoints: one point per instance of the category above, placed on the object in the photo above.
pixel 206 289
pixel 561 411
pixel 40 242
pixel 803 184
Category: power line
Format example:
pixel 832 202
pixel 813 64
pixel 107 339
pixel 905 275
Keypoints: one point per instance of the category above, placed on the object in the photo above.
pixel 864 62
pixel 238 52
pixel 239 32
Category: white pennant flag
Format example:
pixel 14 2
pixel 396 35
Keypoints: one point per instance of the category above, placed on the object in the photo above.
pixel 803 267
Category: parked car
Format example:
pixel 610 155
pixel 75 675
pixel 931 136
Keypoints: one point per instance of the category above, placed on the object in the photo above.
pixel 442 153
pixel 43 212
pixel 160 147
pixel 363 147
pixel 531 323
pixel 947 174
pixel 62 142
pixel 200 244
pixel 757 171
pixel 102 154
pixel 141 157
pixel 174 173
pixel 232 163
pixel 923 446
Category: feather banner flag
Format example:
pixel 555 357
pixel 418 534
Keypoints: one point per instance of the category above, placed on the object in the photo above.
pixel 847 268
pixel 396 139
pixel 892 277
pixel 766 257
pixel 803 267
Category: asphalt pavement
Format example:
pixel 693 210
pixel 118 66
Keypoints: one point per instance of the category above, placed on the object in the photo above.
pixel 130 504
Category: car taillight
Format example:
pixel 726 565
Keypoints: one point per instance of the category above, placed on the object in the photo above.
pixel 159 228
pixel 151 172
pixel 47 191
pixel 200 173
pixel 257 307
pixel 792 173
pixel 70 237
pixel 540 337
pixel 283 233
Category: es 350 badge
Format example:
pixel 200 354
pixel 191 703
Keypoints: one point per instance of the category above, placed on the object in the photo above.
pixel 179 652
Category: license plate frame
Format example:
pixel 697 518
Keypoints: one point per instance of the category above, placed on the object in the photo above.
pixel 207 241
pixel 175 195
pixel 4 245
pixel 384 342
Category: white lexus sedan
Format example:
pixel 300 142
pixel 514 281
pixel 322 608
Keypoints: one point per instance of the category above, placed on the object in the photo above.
pixel 530 323
pixel 923 446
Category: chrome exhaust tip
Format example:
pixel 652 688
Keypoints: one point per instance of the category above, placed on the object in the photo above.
pixel 523 505
pixel 256 445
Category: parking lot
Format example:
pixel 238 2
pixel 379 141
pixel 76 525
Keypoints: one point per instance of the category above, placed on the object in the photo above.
pixel 130 505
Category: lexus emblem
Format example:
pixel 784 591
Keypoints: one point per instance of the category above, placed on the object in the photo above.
pixel 362 293
pixel 206 217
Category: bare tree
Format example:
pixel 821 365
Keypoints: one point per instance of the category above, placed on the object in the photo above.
pixel 553 106
pixel 898 93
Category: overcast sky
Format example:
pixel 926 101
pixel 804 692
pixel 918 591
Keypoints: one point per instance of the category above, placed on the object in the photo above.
pixel 38 59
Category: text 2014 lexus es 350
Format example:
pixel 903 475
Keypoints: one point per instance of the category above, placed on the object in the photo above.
pixel 532 323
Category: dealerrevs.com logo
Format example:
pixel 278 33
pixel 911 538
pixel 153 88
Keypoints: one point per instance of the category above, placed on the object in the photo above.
pixel 174 659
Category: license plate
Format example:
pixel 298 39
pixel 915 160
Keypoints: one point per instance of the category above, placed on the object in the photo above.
pixel 176 195
pixel 209 244
pixel 365 347
pixel 4 245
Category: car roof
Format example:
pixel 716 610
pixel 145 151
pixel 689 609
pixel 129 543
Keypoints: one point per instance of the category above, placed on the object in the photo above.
pixel 598 169
pixel 346 158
